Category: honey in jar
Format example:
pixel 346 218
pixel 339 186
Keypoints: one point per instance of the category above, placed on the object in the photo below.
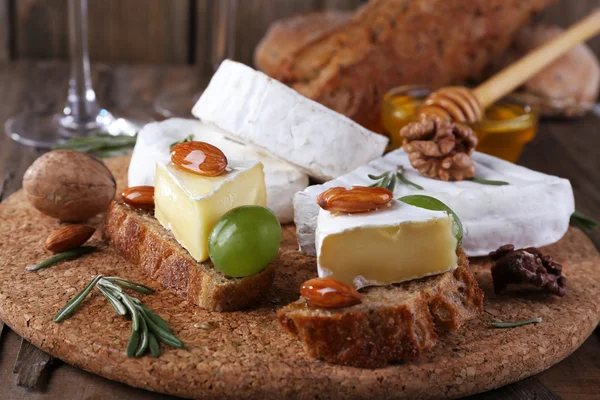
pixel 506 128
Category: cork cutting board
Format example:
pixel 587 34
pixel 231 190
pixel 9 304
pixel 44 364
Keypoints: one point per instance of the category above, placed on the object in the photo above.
pixel 248 355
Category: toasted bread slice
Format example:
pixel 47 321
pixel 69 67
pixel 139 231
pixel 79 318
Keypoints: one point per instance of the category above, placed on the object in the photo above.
pixel 393 323
pixel 143 241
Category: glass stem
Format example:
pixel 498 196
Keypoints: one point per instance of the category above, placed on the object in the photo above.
pixel 81 103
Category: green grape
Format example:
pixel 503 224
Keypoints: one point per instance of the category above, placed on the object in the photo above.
pixel 431 203
pixel 244 241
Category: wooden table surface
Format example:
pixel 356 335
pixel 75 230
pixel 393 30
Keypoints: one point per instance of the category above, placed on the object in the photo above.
pixel 565 148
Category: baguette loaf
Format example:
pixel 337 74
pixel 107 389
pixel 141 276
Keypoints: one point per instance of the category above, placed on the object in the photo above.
pixel 389 43
pixel 393 323
pixel 143 241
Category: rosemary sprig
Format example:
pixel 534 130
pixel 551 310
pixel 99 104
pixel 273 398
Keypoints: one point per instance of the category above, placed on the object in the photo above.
pixel 488 182
pixel 389 179
pixel 505 325
pixel 147 327
pixel 102 144
pixel 188 138
pixel 583 222
pixel 65 255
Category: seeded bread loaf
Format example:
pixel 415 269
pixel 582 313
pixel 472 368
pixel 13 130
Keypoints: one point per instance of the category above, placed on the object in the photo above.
pixel 143 241
pixel 393 323
pixel 389 43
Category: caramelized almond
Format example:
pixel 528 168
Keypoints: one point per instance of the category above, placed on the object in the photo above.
pixel 141 197
pixel 354 200
pixel 199 158
pixel 329 293
pixel 68 237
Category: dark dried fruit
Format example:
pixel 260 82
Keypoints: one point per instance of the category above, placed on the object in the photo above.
pixel 527 265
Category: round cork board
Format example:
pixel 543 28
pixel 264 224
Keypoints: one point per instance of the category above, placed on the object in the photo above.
pixel 247 354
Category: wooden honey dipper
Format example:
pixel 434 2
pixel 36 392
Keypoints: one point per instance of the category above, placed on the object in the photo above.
pixel 461 104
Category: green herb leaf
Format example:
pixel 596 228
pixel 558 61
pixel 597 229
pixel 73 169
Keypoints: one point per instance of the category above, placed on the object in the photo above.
pixel 155 318
pixel 138 287
pixel 65 255
pixel 145 339
pixel 390 179
pixel 161 334
pixel 188 138
pixel 134 341
pixel 113 300
pixel 76 301
pixel 431 203
pixel 488 182
pixel 153 344
pixel 515 324
pixel 101 144
pixel 583 222
pixel 133 312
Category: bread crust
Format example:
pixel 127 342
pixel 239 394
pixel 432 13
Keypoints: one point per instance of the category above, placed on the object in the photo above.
pixel 140 239
pixel 388 43
pixel 394 323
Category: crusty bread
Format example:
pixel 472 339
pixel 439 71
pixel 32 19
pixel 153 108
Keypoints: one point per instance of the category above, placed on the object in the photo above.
pixel 389 43
pixel 142 240
pixel 393 323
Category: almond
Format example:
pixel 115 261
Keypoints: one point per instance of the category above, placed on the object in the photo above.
pixel 329 293
pixel 354 200
pixel 68 237
pixel 199 158
pixel 139 197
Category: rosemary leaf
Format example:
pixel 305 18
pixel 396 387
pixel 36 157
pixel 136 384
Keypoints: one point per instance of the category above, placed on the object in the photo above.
pixel 145 339
pixel 515 324
pixel 134 341
pixel 99 143
pixel 125 283
pixel 489 182
pixel 153 344
pixel 188 138
pixel 155 317
pixel 113 300
pixel 583 222
pixel 404 180
pixel 161 334
pixel 65 255
pixel 135 314
pixel 376 177
pixel 74 303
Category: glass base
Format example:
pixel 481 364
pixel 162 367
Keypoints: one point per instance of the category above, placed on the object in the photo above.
pixel 173 105
pixel 46 130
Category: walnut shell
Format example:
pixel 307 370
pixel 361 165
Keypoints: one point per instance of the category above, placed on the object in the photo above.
pixel 69 185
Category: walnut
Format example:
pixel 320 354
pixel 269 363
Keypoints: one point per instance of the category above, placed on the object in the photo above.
pixel 526 265
pixel 440 149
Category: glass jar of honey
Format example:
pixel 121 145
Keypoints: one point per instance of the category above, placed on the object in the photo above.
pixel 506 128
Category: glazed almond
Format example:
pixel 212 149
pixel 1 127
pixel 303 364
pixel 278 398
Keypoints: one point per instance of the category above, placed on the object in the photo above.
pixel 141 197
pixel 329 293
pixel 199 158
pixel 354 200
pixel 68 237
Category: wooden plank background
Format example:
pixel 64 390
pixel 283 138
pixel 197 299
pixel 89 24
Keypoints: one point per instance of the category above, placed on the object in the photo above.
pixel 172 31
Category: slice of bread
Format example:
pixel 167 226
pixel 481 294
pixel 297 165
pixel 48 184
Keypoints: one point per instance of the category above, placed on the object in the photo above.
pixel 143 241
pixel 393 323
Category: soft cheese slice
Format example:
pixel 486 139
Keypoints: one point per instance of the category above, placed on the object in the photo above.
pixel 258 110
pixel 391 245
pixel 282 179
pixel 533 210
pixel 190 205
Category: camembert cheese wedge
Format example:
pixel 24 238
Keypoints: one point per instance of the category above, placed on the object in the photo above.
pixel 394 244
pixel 190 205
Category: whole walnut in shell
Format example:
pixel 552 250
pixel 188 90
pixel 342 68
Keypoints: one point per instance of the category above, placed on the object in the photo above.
pixel 69 185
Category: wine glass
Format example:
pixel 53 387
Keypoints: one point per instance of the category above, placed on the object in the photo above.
pixel 81 115
pixel 221 44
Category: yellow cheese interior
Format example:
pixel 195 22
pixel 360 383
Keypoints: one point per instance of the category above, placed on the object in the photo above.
pixel 390 254
pixel 190 205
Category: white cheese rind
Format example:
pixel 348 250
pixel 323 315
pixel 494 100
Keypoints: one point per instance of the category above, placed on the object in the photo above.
pixel 432 250
pixel 534 210
pixel 263 112
pixel 153 145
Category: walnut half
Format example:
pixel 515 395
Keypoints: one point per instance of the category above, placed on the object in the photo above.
pixel 440 149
